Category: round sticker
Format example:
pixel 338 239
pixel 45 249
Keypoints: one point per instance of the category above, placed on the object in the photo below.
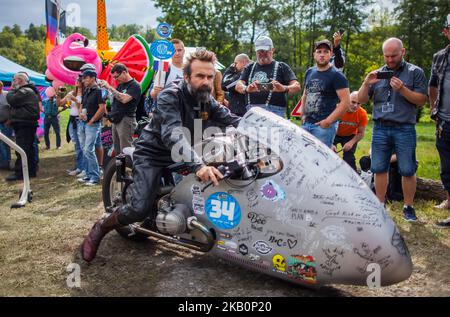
pixel 164 30
pixel 223 210
pixel 162 49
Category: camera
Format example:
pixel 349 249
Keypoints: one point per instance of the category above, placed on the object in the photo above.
pixel 388 74
pixel 265 86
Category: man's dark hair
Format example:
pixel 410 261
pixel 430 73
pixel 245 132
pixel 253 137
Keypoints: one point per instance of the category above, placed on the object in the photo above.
pixel 119 68
pixel 202 55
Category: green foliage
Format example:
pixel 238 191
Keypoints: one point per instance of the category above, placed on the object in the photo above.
pixel 21 49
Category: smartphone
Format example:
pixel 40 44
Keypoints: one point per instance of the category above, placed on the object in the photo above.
pixel 265 86
pixel 387 74
pixel 341 31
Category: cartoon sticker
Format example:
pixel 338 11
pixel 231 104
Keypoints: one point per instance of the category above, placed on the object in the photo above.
pixel 302 267
pixel 279 262
pixel 271 191
pixel 223 210
pixel 262 247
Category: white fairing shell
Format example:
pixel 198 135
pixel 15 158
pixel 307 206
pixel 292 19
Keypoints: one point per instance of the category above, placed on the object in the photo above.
pixel 315 222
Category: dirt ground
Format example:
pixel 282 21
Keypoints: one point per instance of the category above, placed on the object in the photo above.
pixel 40 241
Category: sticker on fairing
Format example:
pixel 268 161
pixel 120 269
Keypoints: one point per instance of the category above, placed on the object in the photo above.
pixel 223 210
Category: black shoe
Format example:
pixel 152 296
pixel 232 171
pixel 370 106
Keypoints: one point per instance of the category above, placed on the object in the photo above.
pixel 13 177
pixel 444 224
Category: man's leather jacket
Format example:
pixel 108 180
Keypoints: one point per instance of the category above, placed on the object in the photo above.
pixel 24 104
pixel 177 108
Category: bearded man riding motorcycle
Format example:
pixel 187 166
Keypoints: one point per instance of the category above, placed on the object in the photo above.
pixel 178 105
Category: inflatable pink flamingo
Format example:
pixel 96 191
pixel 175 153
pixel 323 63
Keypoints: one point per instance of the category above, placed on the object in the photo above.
pixel 75 46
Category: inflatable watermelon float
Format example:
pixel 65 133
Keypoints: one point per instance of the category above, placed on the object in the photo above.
pixel 135 55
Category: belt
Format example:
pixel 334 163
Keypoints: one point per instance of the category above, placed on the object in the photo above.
pixel 388 123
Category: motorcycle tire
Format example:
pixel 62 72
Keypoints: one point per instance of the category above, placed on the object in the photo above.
pixel 109 177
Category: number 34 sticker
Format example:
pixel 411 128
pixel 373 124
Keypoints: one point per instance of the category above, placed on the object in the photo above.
pixel 223 210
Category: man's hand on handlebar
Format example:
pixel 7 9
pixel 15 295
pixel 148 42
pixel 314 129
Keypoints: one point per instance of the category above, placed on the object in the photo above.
pixel 209 173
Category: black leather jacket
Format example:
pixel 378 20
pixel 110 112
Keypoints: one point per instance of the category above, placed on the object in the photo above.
pixel 176 108
pixel 24 104
pixel 236 100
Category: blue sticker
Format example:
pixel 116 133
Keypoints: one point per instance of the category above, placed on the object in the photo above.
pixel 162 49
pixel 223 210
pixel 164 30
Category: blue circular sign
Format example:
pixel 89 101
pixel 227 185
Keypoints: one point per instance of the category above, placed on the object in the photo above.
pixel 162 49
pixel 223 210
pixel 164 30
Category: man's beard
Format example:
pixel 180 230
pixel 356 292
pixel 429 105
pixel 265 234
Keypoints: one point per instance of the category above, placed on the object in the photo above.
pixel 201 94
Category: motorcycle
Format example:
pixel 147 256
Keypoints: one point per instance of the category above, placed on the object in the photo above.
pixel 287 206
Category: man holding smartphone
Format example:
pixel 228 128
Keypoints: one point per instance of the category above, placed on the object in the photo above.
pixel 396 100
pixel 266 82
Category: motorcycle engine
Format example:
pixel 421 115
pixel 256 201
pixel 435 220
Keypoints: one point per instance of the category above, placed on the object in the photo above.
pixel 173 220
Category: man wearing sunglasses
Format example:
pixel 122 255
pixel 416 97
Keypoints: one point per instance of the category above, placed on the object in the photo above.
pixel 123 110
pixel 267 82
pixel 439 91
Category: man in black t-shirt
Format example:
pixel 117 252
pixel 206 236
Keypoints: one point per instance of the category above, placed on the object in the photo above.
pixel 89 126
pixel 124 105
pixel 266 82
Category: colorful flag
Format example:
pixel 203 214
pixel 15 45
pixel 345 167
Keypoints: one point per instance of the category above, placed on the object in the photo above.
pixel 52 25
pixel 161 66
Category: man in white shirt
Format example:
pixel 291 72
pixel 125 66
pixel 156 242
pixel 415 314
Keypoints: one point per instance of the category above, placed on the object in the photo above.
pixel 175 72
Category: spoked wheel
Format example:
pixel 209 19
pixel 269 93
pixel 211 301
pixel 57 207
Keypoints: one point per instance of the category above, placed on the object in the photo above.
pixel 116 194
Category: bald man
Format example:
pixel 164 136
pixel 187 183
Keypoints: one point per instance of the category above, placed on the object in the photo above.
pixel 398 89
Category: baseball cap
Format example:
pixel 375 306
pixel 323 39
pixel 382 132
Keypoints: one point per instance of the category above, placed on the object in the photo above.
pixel 89 73
pixel 87 66
pixel 323 42
pixel 263 43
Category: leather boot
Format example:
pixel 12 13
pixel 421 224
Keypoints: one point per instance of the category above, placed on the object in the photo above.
pixel 91 243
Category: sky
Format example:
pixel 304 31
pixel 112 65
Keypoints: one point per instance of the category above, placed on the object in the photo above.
pixel 24 12
pixel 141 12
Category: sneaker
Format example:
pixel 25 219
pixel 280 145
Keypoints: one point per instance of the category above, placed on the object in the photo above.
pixel 444 223
pixel 75 172
pixel 82 174
pixel 91 183
pixel 409 214
pixel 84 179
pixel 58 148
pixel 443 205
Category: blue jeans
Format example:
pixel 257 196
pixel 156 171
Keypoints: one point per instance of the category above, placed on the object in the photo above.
pixel 400 140
pixel 281 111
pixel 87 135
pixel 78 150
pixel 52 121
pixel 325 135
pixel 5 151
